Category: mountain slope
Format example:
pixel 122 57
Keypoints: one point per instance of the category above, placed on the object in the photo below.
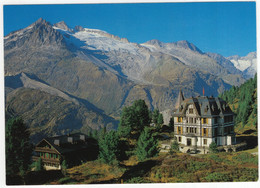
pixel 48 115
pixel 190 55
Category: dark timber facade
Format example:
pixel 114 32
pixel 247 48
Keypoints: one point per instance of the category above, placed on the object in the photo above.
pixel 73 148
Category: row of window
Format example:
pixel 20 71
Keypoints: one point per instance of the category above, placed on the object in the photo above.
pixel 227 119
pixel 49 155
pixel 193 120
pixel 192 130
pixel 204 140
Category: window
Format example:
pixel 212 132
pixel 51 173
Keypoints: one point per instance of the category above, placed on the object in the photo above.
pixel 206 109
pixel 179 119
pixel 187 129
pixel 204 131
pixel 195 130
pixel 204 120
pixel 205 141
pixel 179 139
pixel 191 111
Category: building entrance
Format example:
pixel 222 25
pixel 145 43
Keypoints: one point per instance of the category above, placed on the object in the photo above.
pixel 188 142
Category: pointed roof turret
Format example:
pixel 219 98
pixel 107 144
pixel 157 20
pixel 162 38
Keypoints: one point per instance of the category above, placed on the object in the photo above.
pixel 179 100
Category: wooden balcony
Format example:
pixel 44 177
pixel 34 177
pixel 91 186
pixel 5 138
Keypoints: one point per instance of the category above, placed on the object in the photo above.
pixel 47 160
pixel 46 150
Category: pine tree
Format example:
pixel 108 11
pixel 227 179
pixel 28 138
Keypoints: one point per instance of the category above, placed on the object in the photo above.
pixel 171 124
pixel 160 119
pixel 109 148
pixel 18 147
pixel 142 115
pixel 64 167
pixel 133 119
pixel 155 116
pixel 127 122
pixel 147 145
pixel 39 165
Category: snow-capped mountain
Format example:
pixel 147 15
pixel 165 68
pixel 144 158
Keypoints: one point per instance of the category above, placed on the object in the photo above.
pixel 246 64
pixel 105 72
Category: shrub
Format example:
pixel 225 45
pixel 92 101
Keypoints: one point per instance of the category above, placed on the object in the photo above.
pixel 175 146
pixel 246 158
pixel 218 177
pixel 137 180
pixel 213 148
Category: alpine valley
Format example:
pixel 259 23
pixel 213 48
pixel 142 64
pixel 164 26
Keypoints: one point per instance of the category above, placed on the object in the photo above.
pixel 61 79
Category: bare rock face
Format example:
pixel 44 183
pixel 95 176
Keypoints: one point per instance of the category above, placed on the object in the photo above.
pixel 63 25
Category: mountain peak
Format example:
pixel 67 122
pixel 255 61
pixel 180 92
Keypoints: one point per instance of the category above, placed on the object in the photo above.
pixel 154 42
pixel 78 28
pixel 40 21
pixel 187 45
pixel 62 25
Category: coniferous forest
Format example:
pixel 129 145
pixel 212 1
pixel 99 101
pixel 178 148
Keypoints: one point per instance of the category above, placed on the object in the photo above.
pixel 243 101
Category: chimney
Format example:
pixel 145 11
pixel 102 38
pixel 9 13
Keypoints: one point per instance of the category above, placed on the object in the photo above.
pixel 82 137
pixel 70 139
pixel 57 142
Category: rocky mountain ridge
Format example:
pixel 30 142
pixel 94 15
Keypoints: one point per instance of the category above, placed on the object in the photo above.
pixel 106 72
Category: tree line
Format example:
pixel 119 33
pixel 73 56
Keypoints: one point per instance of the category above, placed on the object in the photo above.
pixel 245 98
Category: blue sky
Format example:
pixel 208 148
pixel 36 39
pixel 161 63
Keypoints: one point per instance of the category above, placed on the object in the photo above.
pixel 227 28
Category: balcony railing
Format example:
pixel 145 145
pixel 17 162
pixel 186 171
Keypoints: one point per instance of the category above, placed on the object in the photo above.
pixel 46 160
pixel 47 150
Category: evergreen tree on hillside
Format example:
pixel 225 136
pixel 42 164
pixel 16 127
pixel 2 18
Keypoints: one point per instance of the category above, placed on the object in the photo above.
pixel 18 148
pixel 128 121
pixel 142 114
pixel 147 145
pixel 109 148
pixel 155 116
pixel 160 119
pixel 134 118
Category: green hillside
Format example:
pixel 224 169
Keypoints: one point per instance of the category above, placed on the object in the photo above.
pixel 243 101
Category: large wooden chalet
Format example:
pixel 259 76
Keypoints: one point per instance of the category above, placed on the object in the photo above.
pixel 74 148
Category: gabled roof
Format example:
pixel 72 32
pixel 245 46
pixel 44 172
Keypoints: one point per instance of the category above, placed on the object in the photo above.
pixel 205 106
pixel 179 100
pixel 64 145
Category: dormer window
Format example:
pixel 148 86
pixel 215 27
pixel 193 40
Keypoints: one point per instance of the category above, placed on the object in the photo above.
pixel 206 109
pixel 190 110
